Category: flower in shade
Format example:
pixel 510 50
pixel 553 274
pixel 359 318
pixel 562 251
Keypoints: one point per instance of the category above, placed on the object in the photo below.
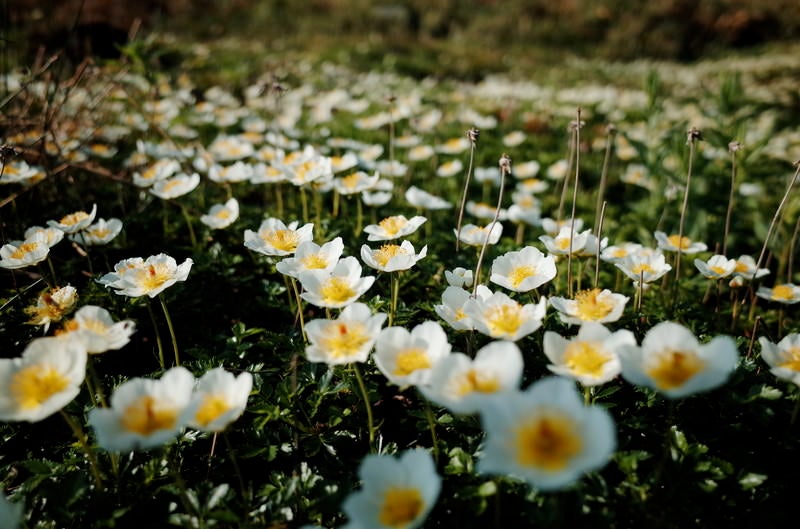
pixel 221 216
pixel 145 413
pixel 419 198
pixel 451 309
pixel 177 186
pixel 406 358
pixel 499 316
pixel 219 399
pixel 347 339
pixel 786 293
pixel 136 277
pixel 101 232
pixel 459 277
pixel 672 361
pixel 553 227
pixel 43 380
pixel 393 227
pixel 52 305
pixel 395 493
pixel 74 222
pixel 336 288
pixel 717 267
pixel 276 238
pixel 746 271
pixel 473 235
pixel 21 254
pixel 160 170
pixel 52 236
pixel 311 256
pixel 462 384
pixel 523 270
pixel 590 357
pixel 672 243
pixel 783 357
pixel 601 306
pixel 99 332
pixel 545 435
pixel 392 257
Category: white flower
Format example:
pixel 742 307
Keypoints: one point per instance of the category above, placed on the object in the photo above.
pixel 672 242
pixel 717 267
pixel 74 221
pixel 784 357
pixel 177 186
pixel 450 168
pixel 553 227
pixel 160 170
pixel 473 235
pixel 51 305
pixel 561 243
pixel 673 362
pixel 454 145
pixel 337 288
pixel 52 236
pixel 420 198
pixel 601 306
pixel 20 254
pixel 452 308
pixel 221 215
pixel 136 277
pixel 347 339
pixel 786 293
pixel 523 270
pixel 237 172
pixel 462 384
pixel 145 413
pixel 406 358
pixel 394 227
pixel 99 332
pixel 644 267
pixel 101 232
pixel 545 435
pixel 459 277
pixel 355 183
pixel 514 138
pixel 311 256
pixel 499 316
pixel 392 257
pixel 590 357
pixel 219 399
pixel 395 493
pixel 276 238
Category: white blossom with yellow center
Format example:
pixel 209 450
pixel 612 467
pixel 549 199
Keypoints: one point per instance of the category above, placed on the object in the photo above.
pixel 74 222
pixel 137 277
pixel 219 399
pixel 406 358
pixel 347 339
pixel 673 243
pixel 392 257
pixel 784 357
pixel 311 256
pixel 499 316
pixel 601 306
pixel 21 254
pixel 590 357
pixel 785 293
pixel 276 238
pixel 99 332
pixel 337 287
pixel 220 216
pixel 523 270
pixel 393 227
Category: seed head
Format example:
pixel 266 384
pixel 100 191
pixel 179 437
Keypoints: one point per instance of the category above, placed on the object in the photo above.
pixel 505 164
pixel 693 135
pixel 734 146
pixel 473 135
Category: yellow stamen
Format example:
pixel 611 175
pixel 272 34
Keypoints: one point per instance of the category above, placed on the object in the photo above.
pixel 673 368
pixel 783 292
pixel 386 252
pixel 586 358
pixel 791 359
pixel 23 250
pixel 210 409
pixel 679 242
pixel 411 360
pixel 284 240
pixel 504 320
pixel 32 386
pixel 314 261
pixel 520 274
pixel 392 225
pixel 74 218
pixel 147 416
pixel 473 381
pixel 589 307
pixel 548 442
pixel 344 339
pixel 336 290
pixel 400 507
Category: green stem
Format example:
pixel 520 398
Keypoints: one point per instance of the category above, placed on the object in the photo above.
pixel 304 202
pixel 171 329
pixel 188 219
pixel 158 335
pixel 363 388
pixel 87 449
pixel 395 279
pixel 97 385
pixel 299 309
pixel 432 425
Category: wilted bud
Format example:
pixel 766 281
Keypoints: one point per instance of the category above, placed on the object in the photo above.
pixel 611 129
pixel 693 135
pixel 473 135
pixel 734 146
pixel 505 164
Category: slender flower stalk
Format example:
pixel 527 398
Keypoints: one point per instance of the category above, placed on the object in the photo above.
pixel 171 330
pixel 505 169
pixel 159 343
pixel 733 147
pixel 775 218
pixel 600 221
pixel 611 131
pixel 367 405
pixel 578 124
pixel 473 135
pixel 87 449
pixel 693 136
pixel 395 286
pixel 572 149
pixel 790 266
pixel 299 309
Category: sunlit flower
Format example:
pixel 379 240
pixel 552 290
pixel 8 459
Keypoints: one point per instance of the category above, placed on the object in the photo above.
pixel 177 186
pixel 342 163
pixel 355 183
pixel 545 435
pixel 461 384
pixel 637 174
pixel 451 309
pixel 784 357
pixel 394 227
pixel 276 238
pixel 392 257
pixel 454 145
pixel 391 168
pixel 21 254
pixel 553 227
pixel 673 242
pixel 786 293
pixel 51 236
pixel 420 198
pixel 482 210
pixel 43 380
pixel 100 233
pixel 717 267
pixel 99 332
pixel 406 358
pixel 160 170
pixel 590 357
pixel 499 316
pixel 420 153
pixel 52 305
pixel 672 361
pixel 219 399
pixel 220 216
pixel 19 172
pixel 746 268
pixel 236 172
pixel 311 256
pixel 528 170
pixel 347 339
pixel 459 277
pixel 514 138
pixel 136 277
pixel 395 493
pixel 450 168
pixel 643 267
pixel 558 170
pixel 601 306
pixel 376 198
pixel 532 185
pixel 473 235
pixel 230 148
pixel 145 413
pixel 561 244
pixel 74 222
pixel 336 288
pixel 523 270
pixel 616 253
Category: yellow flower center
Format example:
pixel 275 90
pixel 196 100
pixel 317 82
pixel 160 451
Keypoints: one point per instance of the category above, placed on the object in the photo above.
pixel 548 442
pixel 718 270
pixel 74 218
pixel 23 250
pixel 642 268
pixel 32 386
pixel 741 267
pixel 147 416
pixel 673 368
pixel 400 507
pixel 520 274
pixel 589 307
pixel 679 242
pixel 10 170
pixel 473 381
pixel 411 360
pixel 619 253
pixel 791 359
pixel 344 339
pixel 337 290
pixel 283 240
pixel 504 320
pixel 782 292
pixel 351 181
pixel 100 233
pixel 385 253
pixel 155 275
pixel 211 408
pixel 100 148
pixel 314 261
pixel 168 186
pixel 392 225
pixel 96 326
pixel 223 214
pixel 586 358
pixel 459 315
pixel 562 243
